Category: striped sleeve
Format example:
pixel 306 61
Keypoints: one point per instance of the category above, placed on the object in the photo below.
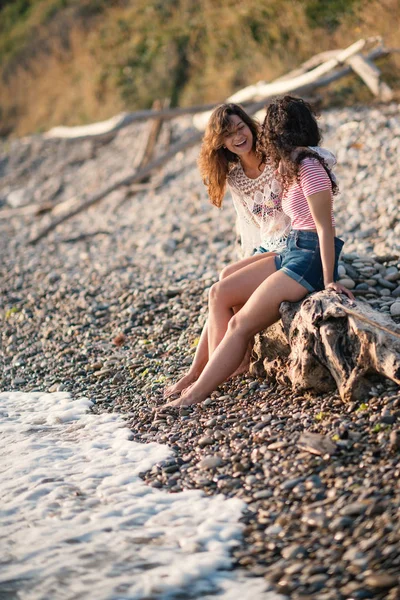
pixel 313 177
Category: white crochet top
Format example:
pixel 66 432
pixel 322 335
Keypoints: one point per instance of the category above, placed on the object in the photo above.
pixel 261 221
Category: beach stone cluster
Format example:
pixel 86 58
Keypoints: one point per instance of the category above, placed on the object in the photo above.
pixel 366 142
pixel 373 279
pixel 320 525
pixel 111 305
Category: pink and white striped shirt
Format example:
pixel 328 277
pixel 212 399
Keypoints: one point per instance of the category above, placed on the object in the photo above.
pixel 312 179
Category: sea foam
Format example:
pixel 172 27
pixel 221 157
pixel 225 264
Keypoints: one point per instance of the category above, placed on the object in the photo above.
pixel 77 521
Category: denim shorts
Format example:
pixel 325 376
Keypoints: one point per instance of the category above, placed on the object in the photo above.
pixel 301 260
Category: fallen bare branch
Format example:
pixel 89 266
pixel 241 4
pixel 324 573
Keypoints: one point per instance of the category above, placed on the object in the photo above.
pixel 370 74
pixel 304 83
pixel 83 236
pixel 105 128
pixel 135 177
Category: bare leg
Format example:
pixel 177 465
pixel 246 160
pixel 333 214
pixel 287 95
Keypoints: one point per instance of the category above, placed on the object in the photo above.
pixel 199 362
pixel 232 291
pixel 201 356
pixel 261 311
pixel 245 364
pixel 229 270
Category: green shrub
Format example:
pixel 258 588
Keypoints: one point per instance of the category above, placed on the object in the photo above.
pixel 328 14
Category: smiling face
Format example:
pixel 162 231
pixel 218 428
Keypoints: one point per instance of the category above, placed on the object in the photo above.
pixel 238 138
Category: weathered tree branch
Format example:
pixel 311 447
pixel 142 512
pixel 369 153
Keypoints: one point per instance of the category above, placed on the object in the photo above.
pixel 370 74
pixel 281 87
pixel 105 128
pixel 135 177
pixel 295 81
pixel 301 84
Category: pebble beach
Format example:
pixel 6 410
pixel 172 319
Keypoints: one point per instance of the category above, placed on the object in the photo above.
pixel 107 310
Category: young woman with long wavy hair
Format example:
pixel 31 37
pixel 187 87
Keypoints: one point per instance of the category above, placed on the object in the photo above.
pixel 229 157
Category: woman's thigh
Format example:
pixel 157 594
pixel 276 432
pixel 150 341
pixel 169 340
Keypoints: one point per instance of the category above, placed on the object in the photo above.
pixel 262 308
pixel 244 262
pixel 237 288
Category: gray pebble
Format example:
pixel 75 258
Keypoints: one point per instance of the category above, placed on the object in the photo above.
pixel 210 462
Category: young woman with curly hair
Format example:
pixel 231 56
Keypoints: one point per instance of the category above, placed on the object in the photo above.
pixel 307 263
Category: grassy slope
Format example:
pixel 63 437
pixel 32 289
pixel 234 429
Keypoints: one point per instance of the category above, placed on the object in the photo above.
pixel 77 61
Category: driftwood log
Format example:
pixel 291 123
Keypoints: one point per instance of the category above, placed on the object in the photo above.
pixel 105 128
pixel 266 90
pixel 325 342
pixel 320 71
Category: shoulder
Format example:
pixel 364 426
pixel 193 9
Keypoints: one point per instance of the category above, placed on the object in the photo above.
pixel 310 163
pixel 234 169
pixel 233 174
pixel 311 167
pixel 313 176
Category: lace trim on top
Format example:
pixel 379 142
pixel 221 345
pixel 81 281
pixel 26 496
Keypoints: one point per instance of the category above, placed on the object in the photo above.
pixel 258 206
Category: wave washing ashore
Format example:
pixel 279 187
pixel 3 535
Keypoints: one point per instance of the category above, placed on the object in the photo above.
pixel 78 522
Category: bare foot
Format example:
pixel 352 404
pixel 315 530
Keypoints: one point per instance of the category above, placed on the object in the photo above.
pixel 180 385
pixel 187 398
pixel 244 368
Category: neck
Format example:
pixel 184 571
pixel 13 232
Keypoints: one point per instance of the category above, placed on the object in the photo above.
pixel 250 160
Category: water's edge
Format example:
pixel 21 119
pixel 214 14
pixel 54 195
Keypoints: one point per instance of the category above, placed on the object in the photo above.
pixel 75 513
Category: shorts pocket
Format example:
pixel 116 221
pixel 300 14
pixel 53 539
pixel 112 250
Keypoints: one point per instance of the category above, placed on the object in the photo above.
pixel 306 243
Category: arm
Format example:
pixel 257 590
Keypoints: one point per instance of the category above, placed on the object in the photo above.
pixel 320 207
pixel 316 187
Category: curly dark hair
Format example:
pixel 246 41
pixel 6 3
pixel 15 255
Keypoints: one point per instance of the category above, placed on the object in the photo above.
pixel 215 161
pixel 289 127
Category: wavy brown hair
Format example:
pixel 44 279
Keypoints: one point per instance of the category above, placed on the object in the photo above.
pixel 290 123
pixel 215 161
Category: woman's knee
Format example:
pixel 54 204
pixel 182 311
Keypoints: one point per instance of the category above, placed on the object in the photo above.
pixel 238 325
pixel 220 295
pixel 214 292
pixel 226 271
